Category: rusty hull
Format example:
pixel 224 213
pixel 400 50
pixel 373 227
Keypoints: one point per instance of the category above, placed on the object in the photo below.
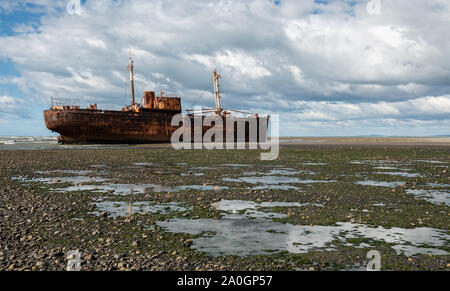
pixel 85 126
pixel 134 124
pixel 95 126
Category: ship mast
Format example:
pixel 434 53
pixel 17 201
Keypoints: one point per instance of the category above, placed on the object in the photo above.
pixel 216 90
pixel 130 68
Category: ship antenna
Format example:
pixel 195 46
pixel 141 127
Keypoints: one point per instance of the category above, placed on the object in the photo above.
pixel 216 78
pixel 130 68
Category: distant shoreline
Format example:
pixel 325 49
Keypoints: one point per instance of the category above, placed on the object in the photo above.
pixel 376 142
pixel 50 143
pixel 281 138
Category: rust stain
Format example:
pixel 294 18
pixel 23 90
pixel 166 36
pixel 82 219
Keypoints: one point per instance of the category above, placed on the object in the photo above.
pixel 145 122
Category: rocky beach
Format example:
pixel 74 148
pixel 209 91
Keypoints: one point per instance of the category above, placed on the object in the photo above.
pixel 318 207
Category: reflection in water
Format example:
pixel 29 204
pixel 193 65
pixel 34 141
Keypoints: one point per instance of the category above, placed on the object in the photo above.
pixel 409 251
pixel 431 162
pixel 236 165
pixel 276 187
pixel 271 180
pixel 127 189
pixel 235 234
pixel 254 210
pixel 380 183
pixel 402 174
pixel 69 172
pixel 57 180
pixel 238 205
pixel 433 196
pixel 437 185
pixel 387 168
pixel 116 209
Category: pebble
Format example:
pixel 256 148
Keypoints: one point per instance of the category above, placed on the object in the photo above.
pixel 35 226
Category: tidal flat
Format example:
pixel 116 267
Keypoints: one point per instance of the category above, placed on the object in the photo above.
pixel 321 207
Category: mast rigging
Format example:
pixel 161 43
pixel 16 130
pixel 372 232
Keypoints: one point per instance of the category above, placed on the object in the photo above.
pixel 130 68
pixel 216 78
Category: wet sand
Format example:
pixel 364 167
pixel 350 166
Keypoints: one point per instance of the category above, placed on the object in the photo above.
pixel 47 143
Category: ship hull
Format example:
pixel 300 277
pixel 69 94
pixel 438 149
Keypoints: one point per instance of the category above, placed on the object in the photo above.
pixel 80 126
pixel 110 127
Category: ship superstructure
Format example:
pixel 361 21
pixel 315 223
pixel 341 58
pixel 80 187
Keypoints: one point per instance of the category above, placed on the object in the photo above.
pixel 148 121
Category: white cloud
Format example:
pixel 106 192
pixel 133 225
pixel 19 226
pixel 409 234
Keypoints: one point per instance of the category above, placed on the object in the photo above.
pixel 9 104
pixel 419 109
pixel 339 65
pixel 244 64
pixel 96 43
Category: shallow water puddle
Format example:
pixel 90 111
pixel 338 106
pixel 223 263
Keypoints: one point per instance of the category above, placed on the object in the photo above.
pixel 84 183
pixel 377 162
pixel 437 185
pixel 192 174
pixel 401 174
pixel 379 183
pixel 262 180
pixel 391 168
pixel 116 209
pixel 236 165
pixel 431 162
pixel 235 234
pixel 276 187
pixel 200 169
pixel 253 209
pixel 70 172
pixel 128 189
pixel 58 180
pixel 410 251
pixel 379 204
pixel 386 168
pixel 271 180
pixel 201 187
pixel 281 172
pixel 433 196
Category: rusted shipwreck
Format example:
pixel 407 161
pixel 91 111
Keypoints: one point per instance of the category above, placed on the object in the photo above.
pixel 149 121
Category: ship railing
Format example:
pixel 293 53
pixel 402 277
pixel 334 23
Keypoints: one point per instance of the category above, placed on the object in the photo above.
pixel 210 110
pixel 168 96
pixel 63 102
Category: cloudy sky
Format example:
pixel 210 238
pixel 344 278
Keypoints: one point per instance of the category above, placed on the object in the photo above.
pixel 345 68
